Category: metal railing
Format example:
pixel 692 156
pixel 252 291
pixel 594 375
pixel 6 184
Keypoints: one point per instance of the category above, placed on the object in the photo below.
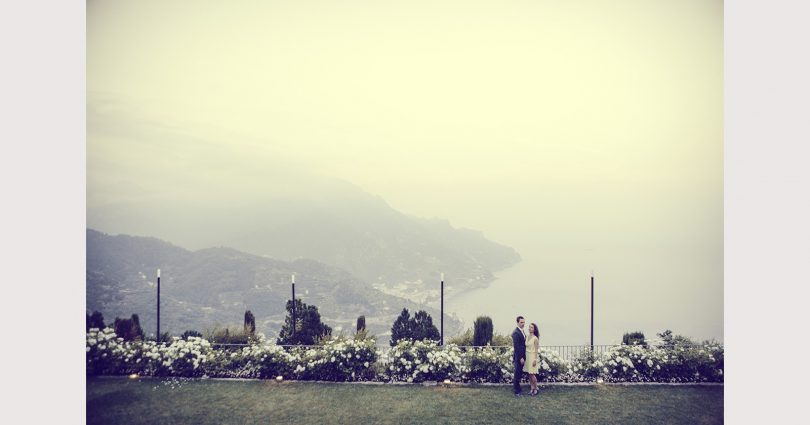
pixel 564 352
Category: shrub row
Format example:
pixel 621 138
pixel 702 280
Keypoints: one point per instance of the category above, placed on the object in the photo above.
pixel 346 359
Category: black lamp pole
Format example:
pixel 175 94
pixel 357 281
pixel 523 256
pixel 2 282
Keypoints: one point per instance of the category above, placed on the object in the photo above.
pixel 441 341
pixel 293 301
pixel 157 336
pixel 591 311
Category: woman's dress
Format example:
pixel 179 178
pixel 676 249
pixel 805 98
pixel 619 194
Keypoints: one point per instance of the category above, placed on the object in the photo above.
pixel 531 356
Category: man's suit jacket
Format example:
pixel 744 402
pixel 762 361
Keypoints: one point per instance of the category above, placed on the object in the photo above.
pixel 519 342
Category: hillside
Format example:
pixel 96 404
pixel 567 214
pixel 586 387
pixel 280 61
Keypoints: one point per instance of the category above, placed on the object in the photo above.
pixel 214 286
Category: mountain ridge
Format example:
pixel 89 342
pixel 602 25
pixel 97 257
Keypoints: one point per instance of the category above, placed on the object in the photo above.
pixel 344 227
pixel 212 287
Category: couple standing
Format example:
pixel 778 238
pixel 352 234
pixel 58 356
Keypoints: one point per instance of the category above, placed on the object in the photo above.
pixel 525 357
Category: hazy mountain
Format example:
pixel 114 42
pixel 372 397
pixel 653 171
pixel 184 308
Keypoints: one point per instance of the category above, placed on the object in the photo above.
pixel 214 286
pixel 331 222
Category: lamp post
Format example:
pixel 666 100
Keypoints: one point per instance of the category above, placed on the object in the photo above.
pixel 293 302
pixel 157 335
pixel 441 340
pixel 591 311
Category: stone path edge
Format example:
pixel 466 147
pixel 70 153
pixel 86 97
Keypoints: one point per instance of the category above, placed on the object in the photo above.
pixel 423 384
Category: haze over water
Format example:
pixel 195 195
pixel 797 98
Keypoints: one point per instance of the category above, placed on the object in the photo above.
pixel 553 293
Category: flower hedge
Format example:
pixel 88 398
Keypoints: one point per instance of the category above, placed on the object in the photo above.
pixel 419 361
pixel 336 360
pixel 344 359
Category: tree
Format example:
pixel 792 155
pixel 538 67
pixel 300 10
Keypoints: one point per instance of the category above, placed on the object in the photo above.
pixel 483 331
pixel 129 329
pixel 250 323
pixel 308 327
pixel 423 328
pixel 420 327
pixel 632 338
pixel 95 320
pixel 401 328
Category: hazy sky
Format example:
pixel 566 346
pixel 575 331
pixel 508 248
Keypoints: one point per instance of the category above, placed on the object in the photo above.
pixel 589 128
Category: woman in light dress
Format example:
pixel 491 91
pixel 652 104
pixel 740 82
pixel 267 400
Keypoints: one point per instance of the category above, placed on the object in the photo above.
pixel 532 363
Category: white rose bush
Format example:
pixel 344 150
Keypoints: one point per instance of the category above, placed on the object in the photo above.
pixel 108 354
pixel 179 358
pixel 487 364
pixel 348 359
pixel 420 361
pixel 258 360
pixel 340 359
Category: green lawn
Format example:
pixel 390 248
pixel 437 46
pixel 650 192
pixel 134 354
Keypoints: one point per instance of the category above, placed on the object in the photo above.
pixel 118 400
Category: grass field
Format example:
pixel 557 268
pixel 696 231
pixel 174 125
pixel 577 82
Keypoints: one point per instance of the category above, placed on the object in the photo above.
pixel 116 400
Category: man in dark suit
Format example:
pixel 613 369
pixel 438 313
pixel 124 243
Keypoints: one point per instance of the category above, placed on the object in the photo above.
pixel 519 343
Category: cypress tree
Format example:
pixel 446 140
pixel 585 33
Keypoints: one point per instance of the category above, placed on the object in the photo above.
pixel 250 323
pixel 483 331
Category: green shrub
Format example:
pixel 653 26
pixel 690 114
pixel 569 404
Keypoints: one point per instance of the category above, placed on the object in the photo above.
pixel 483 331
pixel 353 359
pixel 487 364
pixel 189 333
pixel 418 361
pixel 95 320
pixel 307 329
pixel 550 366
pixel 227 335
pixel 465 339
pixel 129 329
pixel 633 338
pixel 340 359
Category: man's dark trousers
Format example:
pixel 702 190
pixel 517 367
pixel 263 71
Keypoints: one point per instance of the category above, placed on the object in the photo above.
pixel 518 377
pixel 519 344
